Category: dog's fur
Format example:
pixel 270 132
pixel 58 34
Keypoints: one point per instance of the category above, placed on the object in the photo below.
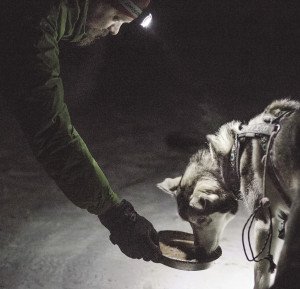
pixel 205 200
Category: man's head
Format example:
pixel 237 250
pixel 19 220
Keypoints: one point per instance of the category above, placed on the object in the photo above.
pixel 107 16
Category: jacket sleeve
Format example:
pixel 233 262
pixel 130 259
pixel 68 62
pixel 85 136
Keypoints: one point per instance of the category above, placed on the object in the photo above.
pixel 43 115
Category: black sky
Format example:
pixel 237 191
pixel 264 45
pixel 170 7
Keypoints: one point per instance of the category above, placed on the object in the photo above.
pixel 234 53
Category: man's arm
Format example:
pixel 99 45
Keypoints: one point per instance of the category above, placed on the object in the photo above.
pixel 44 117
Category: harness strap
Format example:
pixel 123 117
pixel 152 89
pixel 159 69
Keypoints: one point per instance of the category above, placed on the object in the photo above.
pixel 232 176
pixel 268 241
pixel 267 130
pixel 257 130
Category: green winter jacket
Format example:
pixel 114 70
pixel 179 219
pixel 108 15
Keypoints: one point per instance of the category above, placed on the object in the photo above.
pixel 31 83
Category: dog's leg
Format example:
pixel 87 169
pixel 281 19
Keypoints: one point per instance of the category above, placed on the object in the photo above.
pixel 262 274
pixel 288 272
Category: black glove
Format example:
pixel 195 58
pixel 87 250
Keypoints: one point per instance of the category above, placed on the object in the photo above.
pixel 135 235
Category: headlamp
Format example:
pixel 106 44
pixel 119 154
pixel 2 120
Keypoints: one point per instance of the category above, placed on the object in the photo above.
pixel 147 21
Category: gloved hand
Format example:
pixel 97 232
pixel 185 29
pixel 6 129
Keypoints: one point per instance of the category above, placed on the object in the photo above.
pixel 135 235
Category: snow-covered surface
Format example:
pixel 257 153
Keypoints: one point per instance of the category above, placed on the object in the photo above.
pixel 138 140
pixel 47 242
pixel 142 117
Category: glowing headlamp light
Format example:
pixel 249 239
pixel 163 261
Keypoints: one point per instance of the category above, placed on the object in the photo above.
pixel 147 21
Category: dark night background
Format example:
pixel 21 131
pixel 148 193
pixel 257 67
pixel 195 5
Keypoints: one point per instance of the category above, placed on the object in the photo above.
pixel 144 101
pixel 234 54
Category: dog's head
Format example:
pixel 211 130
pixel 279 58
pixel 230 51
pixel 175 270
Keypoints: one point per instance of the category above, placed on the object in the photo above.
pixel 203 200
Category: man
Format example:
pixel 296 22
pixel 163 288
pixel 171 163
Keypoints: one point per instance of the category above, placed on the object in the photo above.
pixel 33 89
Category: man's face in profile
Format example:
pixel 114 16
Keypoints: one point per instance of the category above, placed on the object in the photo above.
pixel 102 19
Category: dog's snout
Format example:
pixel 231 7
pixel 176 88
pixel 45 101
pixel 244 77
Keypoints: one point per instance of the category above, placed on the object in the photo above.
pixel 206 256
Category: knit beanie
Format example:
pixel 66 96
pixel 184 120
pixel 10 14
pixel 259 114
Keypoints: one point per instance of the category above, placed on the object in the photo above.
pixel 131 8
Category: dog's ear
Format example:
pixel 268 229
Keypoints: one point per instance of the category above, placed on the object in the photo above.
pixel 212 142
pixel 169 185
pixel 221 143
pixel 201 200
pixel 205 192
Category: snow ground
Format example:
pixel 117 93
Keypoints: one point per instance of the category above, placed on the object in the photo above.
pixel 235 61
pixel 47 242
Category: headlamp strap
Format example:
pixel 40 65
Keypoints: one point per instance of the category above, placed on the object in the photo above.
pixel 131 7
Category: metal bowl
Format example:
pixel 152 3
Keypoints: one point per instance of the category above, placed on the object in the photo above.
pixel 178 251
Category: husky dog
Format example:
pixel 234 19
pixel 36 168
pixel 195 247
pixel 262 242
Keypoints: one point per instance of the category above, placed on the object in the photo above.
pixel 258 163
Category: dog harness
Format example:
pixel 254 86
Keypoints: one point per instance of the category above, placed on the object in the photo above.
pixel 266 132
